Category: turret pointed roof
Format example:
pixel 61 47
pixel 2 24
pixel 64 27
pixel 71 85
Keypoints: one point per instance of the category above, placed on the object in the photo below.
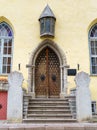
pixel 47 12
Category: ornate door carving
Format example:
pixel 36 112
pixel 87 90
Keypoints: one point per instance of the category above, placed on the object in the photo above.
pixel 47 74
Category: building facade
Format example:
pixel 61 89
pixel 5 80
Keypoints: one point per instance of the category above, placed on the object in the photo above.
pixel 49 42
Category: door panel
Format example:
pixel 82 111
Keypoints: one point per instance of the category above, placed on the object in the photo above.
pixel 54 74
pixel 47 74
pixel 40 74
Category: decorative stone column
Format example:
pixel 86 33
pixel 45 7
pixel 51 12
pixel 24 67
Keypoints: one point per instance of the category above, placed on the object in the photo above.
pixel 83 97
pixel 15 97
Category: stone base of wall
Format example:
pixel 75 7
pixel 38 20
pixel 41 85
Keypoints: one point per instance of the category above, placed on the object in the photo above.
pixel 69 126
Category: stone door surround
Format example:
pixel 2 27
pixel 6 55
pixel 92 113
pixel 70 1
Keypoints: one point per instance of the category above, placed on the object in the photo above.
pixel 63 66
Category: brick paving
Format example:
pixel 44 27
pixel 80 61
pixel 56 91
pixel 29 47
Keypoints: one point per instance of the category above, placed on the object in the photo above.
pixel 67 126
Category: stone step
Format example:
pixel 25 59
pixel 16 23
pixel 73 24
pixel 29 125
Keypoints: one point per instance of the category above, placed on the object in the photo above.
pixel 70 96
pixel 57 111
pixel 94 118
pixel 48 110
pixel 48 107
pixel 43 117
pixel 47 99
pixel 48 103
pixel 50 115
pixel 54 120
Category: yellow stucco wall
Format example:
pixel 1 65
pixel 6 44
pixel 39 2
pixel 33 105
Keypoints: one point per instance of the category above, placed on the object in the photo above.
pixel 73 21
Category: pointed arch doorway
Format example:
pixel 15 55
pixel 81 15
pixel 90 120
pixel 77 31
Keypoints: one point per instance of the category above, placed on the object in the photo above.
pixel 47 71
pixel 47 74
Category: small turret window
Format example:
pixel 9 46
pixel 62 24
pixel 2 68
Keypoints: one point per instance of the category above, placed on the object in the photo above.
pixel 47 22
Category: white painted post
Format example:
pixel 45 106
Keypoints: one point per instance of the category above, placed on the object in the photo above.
pixel 15 97
pixel 83 97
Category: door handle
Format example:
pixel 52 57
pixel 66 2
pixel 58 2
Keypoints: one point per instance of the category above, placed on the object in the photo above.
pixel 42 77
pixel 54 77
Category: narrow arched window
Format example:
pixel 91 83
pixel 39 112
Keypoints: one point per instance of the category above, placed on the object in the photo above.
pixel 93 49
pixel 6 45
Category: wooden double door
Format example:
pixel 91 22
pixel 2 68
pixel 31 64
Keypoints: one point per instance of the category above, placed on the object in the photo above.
pixel 47 74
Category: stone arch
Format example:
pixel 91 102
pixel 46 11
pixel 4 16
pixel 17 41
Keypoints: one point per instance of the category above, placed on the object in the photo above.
pixel 53 46
pixel 4 19
pixel 63 66
pixel 91 25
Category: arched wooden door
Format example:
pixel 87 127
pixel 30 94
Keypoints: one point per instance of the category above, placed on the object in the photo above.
pixel 47 74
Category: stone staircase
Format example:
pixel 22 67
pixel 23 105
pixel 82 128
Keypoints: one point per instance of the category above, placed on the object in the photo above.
pixel 49 110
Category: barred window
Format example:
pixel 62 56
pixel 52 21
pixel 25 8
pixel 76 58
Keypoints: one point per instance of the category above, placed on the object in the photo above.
pixel 6 40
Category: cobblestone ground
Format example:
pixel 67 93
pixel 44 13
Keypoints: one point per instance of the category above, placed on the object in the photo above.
pixel 67 126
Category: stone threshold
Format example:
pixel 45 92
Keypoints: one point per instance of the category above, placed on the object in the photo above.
pixel 65 126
